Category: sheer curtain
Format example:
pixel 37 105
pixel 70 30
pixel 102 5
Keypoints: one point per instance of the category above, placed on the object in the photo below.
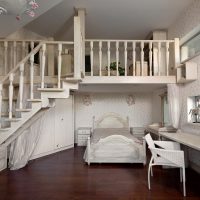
pixel 174 104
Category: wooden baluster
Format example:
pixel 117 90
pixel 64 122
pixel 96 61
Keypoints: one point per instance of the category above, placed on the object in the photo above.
pixel 134 58
pixel 142 58
pixel 125 57
pixel 23 49
pixel 159 58
pixel 14 54
pixel 31 75
pixel 59 63
pixel 21 85
pixel 43 64
pixel 117 57
pixel 167 58
pixel 176 52
pixel 108 58
pixel 1 88
pixel 150 58
pixel 91 57
pixel 100 58
pixel 11 88
pixel 5 57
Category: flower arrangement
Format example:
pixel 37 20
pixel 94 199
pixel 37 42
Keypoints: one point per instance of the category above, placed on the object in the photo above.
pixel 113 67
pixel 29 9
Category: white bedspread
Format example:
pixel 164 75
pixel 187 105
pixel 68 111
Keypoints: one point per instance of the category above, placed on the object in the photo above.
pixel 101 133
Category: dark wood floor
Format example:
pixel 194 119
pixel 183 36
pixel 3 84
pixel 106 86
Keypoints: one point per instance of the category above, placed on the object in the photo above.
pixel 64 176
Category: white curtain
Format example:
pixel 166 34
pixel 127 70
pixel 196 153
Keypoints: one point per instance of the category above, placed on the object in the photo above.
pixel 174 104
pixel 22 148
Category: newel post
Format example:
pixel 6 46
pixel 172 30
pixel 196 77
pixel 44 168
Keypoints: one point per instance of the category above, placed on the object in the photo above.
pixel 11 79
pixel 176 52
pixel 77 48
pixel 21 85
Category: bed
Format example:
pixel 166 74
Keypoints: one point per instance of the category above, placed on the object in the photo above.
pixel 112 142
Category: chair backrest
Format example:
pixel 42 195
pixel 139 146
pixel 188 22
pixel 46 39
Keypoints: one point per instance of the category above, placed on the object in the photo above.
pixel 151 144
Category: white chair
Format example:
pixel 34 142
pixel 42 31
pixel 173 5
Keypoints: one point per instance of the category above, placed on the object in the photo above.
pixel 168 155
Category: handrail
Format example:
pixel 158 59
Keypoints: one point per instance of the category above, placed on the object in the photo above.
pixel 106 40
pixel 34 51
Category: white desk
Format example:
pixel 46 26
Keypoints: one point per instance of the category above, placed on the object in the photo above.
pixel 187 139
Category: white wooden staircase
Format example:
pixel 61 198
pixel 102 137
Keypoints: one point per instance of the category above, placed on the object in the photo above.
pixel 18 101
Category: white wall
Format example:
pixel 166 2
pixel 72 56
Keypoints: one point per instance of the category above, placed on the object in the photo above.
pixel 183 25
pixel 140 114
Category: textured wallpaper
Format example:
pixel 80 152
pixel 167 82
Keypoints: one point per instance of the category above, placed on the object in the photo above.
pixel 183 25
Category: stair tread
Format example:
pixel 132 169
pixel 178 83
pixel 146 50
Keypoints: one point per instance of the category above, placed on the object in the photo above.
pixel 34 100
pixel 24 110
pixel 6 119
pixel 51 89
pixel 5 129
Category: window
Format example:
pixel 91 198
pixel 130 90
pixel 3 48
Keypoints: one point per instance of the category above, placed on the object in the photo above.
pixel 194 109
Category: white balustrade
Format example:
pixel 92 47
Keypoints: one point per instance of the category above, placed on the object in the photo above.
pixel 134 58
pixel 108 52
pixel 91 57
pixel 11 89
pixel 142 58
pixel 31 75
pixel 21 85
pixel 43 62
pixel 125 57
pixel 59 63
pixel 150 57
pixel 167 58
pixel 117 57
pixel 100 57
pixel 159 58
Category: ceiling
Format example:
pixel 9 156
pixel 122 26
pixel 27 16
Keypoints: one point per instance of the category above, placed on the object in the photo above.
pixel 9 24
pixel 116 19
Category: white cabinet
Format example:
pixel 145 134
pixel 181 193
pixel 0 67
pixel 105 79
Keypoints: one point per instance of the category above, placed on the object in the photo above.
pixel 83 134
pixel 58 132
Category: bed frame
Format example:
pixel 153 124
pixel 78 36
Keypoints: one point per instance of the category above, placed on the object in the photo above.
pixel 125 144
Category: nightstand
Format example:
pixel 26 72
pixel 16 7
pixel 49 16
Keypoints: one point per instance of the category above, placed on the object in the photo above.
pixel 83 134
pixel 138 132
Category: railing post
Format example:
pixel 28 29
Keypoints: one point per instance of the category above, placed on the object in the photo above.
pixel 11 79
pixel 77 48
pixel 142 58
pixel 159 58
pixel 91 57
pixel 5 57
pixel 21 85
pixel 134 58
pixel 108 58
pixel 150 58
pixel 125 58
pixel 100 57
pixel 43 64
pixel 176 52
pixel 117 57
pixel 59 63
pixel 31 75
pixel 167 58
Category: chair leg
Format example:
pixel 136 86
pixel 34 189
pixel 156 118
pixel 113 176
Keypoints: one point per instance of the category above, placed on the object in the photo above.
pixel 149 169
pixel 181 175
pixel 184 189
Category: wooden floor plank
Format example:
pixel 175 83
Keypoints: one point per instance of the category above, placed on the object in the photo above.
pixel 64 176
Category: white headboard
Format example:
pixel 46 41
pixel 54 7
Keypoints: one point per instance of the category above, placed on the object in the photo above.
pixel 111 120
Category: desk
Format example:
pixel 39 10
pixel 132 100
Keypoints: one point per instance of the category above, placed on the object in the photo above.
pixel 186 139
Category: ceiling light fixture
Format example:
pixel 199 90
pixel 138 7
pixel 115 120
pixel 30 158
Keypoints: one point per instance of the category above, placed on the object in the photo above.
pixel 3 11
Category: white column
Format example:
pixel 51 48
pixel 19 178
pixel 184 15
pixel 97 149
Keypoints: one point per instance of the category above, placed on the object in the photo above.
pixel 43 64
pixel 159 58
pixel 167 58
pixel 142 58
pixel 21 85
pixel 11 79
pixel 177 52
pixel 59 63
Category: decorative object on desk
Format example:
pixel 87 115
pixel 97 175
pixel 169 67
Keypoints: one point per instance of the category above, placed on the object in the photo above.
pixel 195 114
pixel 130 100
pixel 87 100
pixel 113 67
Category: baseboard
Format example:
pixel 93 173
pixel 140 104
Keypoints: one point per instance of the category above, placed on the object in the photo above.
pixel 51 152
pixel 194 166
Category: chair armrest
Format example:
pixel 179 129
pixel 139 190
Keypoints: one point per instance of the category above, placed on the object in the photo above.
pixel 168 145
pixel 174 156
